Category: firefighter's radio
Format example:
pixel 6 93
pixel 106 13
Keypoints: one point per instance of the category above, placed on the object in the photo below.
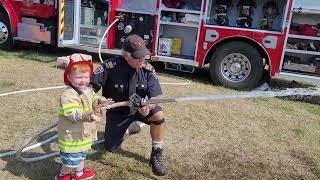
pixel 134 23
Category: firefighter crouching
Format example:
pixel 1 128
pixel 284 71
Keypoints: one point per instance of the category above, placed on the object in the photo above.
pixel 79 110
pixel 121 78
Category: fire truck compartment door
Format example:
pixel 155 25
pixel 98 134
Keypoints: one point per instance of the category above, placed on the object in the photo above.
pixel 69 22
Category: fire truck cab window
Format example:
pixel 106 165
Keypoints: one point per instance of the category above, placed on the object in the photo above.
pixel 253 14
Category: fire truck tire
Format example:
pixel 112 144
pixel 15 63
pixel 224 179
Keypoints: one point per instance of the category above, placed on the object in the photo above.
pixel 236 65
pixel 6 39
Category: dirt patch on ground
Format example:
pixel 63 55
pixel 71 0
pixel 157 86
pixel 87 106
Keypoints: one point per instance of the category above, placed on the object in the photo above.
pixel 307 162
pixel 305 99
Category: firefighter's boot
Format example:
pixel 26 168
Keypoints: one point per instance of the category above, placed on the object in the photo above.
pixel 157 162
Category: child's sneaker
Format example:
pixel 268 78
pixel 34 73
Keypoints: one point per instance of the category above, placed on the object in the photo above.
pixel 62 177
pixel 87 174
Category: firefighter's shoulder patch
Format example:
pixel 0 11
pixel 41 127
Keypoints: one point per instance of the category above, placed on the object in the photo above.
pixel 149 67
pixel 154 74
pixel 99 70
pixel 110 64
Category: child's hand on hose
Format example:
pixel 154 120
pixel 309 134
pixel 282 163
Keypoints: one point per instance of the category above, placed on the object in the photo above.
pixel 104 102
pixel 102 105
pixel 95 118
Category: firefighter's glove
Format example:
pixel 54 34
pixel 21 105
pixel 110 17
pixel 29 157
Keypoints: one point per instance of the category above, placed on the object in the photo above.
pixel 144 111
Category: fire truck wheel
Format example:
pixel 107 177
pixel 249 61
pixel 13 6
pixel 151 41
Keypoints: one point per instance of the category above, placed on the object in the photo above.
pixel 6 39
pixel 236 65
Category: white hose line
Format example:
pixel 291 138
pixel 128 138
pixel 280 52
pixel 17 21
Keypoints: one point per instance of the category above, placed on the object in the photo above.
pixel 35 136
pixel 25 147
pixel 31 90
pixel 38 145
pixel 105 33
pixel 28 160
pixel 46 156
pixel 60 87
pixel 10 153
pixel 187 81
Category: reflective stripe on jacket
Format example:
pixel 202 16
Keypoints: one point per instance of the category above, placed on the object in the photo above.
pixel 75 133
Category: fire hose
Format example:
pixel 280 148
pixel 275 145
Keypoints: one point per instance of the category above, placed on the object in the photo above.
pixel 137 101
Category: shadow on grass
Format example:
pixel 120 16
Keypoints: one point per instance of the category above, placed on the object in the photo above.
pixel 135 156
pixel 121 161
pixel 283 84
pixel 43 169
pixel 101 151
pixel 116 162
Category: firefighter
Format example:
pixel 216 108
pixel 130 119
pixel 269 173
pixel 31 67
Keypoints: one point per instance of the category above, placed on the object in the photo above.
pixel 101 11
pixel 122 77
pixel 222 8
pixel 79 109
pixel 270 11
pixel 246 10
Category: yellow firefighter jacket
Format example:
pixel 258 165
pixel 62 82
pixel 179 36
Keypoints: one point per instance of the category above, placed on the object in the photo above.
pixel 76 132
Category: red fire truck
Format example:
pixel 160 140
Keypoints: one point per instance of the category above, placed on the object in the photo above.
pixel 243 41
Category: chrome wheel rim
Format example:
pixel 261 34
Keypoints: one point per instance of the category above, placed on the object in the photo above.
pixel 3 32
pixel 235 67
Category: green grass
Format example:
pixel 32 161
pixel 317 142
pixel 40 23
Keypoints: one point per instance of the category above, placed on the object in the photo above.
pixel 28 55
pixel 6 84
pixel 313 109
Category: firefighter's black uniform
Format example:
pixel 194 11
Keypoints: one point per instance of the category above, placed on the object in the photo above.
pixel 118 81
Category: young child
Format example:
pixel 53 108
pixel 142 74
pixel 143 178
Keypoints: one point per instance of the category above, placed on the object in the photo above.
pixel 79 107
